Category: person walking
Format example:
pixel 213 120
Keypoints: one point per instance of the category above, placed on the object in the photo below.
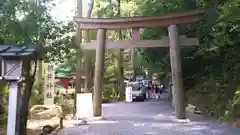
pixel 155 90
pixel 161 88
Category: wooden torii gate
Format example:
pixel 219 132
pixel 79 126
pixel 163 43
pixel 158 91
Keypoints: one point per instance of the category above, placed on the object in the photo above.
pixel 135 23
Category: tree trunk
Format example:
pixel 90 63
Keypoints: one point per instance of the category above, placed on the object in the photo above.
pixel 79 61
pixel 133 65
pixel 27 88
pixel 135 37
pixel 39 72
pixel 87 72
pixel 120 73
pixel 87 58
pixel 39 77
pixel 120 68
pixel 92 67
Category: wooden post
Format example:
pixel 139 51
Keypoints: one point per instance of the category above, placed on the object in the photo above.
pixel 99 73
pixel 176 68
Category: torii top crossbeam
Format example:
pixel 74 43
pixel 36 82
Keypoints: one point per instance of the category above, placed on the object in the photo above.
pixel 139 22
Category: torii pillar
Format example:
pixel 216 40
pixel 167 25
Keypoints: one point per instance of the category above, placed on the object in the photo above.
pixel 176 69
pixel 134 23
pixel 99 73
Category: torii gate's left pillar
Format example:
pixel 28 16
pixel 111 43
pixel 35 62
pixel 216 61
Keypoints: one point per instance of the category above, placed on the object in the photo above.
pixel 99 73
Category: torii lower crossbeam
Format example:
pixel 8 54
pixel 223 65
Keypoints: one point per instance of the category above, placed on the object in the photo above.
pixel 164 42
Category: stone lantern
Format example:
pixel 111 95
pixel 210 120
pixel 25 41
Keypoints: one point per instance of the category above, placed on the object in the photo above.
pixel 12 57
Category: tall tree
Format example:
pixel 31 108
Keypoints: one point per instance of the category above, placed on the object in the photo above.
pixel 120 52
pixel 79 54
pixel 87 54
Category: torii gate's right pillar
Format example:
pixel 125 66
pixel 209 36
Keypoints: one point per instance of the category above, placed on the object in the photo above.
pixel 176 68
pixel 99 73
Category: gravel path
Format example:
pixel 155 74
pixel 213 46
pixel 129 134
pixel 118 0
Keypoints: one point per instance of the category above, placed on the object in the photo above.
pixel 148 118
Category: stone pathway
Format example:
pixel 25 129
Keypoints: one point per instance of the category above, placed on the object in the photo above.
pixel 148 118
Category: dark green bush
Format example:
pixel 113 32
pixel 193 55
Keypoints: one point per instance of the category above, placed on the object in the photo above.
pixel 67 107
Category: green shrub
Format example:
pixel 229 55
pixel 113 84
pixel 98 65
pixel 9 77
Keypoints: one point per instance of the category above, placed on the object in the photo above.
pixel 3 117
pixel 3 103
pixel 107 95
pixel 67 107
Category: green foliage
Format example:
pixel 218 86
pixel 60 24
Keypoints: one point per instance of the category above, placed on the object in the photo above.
pixel 3 102
pixel 226 46
pixel 30 22
pixel 37 94
pixel 210 71
pixel 3 116
pixel 107 94
pixel 220 64
pixel 67 107
pixel 110 8
pixel 156 8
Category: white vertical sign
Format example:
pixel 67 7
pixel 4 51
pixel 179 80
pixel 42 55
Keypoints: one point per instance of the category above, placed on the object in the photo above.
pixel 49 84
pixel 84 105
pixel 128 94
